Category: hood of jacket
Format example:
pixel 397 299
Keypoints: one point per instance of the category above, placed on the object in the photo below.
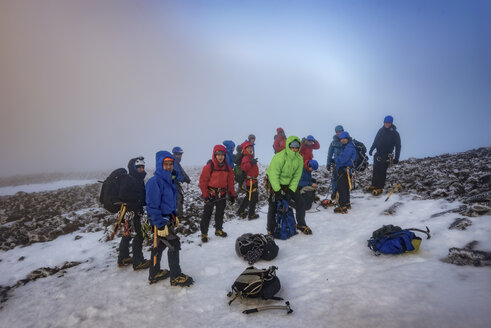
pixel 289 140
pixel 159 160
pixel 218 148
pixel 134 172
pixel 229 144
pixel 244 145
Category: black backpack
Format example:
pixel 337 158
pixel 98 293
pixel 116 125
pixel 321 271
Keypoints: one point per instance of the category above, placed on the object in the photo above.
pixel 239 175
pixel 110 190
pixel 361 156
pixel 253 247
pixel 256 283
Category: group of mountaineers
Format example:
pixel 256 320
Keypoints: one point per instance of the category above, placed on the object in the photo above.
pixel 288 177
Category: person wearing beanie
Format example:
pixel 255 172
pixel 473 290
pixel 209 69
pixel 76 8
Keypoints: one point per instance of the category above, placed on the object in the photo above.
pixel 332 154
pixel 181 177
pixel 251 170
pixel 279 140
pixel 229 157
pixel 386 140
pixel 283 175
pixel 216 181
pixel 306 150
pixel 161 199
pixel 344 164
pixel 307 184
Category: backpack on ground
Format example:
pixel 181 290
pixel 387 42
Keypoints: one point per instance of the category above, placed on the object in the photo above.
pixel 253 247
pixel 361 162
pixel 392 239
pixel 285 221
pixel 256 283
pixel 110 190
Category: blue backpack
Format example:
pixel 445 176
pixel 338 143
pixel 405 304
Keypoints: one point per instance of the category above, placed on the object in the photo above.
pixel 285 221
pixel 393 240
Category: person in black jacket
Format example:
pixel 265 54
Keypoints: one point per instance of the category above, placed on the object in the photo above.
pixel 132 192
pixel 386 140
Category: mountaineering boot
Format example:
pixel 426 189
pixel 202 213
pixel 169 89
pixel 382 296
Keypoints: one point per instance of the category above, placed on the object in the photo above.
pixel 124 262
pixel 253 216
pixel 376 192
pixel 243 215
pixel 348 206
pixel 163 274
pixel 182 280
pixel 220 233
pixel 143 265
pixel 370 188
pixel 341 209
pixel 333 196
pixel 316 198
pixel 204 237
pixel 305 229
pixel 270 233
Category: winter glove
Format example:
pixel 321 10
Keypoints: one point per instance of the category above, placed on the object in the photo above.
pixel 395 161
pixel 163 232
pixel 289 195
pixel 175 221
pixel 253 161
pixel 278 197
pixel 232 199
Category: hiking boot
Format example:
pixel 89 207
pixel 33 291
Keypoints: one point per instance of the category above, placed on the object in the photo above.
pixel 182 280
pixel 316 198
pixel 124 262
pixel 348 206
pixel 243 215
pixel 204 237
pixel 341 209
pixel 333 196
pixel 370 188
pixel 143 265
pixel 305 229
pixel 376 192
pixel 220 233
pixel 253 216
pixel 270 233
pixel 163 274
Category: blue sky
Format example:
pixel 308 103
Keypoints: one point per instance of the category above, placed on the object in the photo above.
pixel 110 80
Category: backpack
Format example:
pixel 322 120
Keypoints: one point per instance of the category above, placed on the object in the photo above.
pixel 361 162
pixel 392 239
pixel 110 190
pixel 254 247
pixel 256 283
pixel 238 173
pixel 285 221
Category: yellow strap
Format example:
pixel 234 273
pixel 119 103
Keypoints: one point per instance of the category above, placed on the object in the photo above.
pixel 349 180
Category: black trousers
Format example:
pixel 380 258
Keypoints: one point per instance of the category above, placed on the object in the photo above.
pixel 252 203
pixel 380 165
pixel 343 188
pixel 172 257
pixel 136 245
pixel 180 201
pixel 299 211
pixel 207 212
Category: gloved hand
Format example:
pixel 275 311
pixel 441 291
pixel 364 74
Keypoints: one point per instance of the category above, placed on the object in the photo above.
pixel 253 161
pixel 232 199
pixel 395 161
pixel 175 222
pixel 163 232
pixel 289 195
pixel 278 196
pixel 370 152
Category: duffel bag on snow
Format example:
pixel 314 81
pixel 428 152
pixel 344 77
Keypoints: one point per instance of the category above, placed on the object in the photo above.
pixel 253 247
pixel 392 239
pixel 256 283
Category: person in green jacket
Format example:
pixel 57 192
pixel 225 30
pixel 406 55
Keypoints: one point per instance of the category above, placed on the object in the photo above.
pixel 283 175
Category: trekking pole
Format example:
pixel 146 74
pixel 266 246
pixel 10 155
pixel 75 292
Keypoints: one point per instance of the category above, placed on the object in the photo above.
pixel 349 180
pixel 122 211
pixel 155 245
pixel 250 189
pixel 398 185
pixel 270 307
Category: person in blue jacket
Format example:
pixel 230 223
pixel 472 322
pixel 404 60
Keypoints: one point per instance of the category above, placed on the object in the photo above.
pixel 344 163
pixel 181 177
pixel 229 157
pixel 307 184
pixel 161 199
pixel 332 154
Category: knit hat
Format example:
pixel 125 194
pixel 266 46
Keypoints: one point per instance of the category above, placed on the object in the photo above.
pixel 388 119
pixel 294 144
pixel 338 128
pixel 343 135
pixel 313 164
pixel 251 136
pixel 310 138
pixel 177 150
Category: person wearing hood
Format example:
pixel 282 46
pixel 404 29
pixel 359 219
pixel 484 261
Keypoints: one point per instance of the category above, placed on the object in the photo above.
pixel 307 184
pixel 344 164
pixel 385 141
pixel 279 140
pixel 132 192
pixel 216 181
pixel 332 154
pixel 252 140
pixel 283 175
pixel 229 157
pixel 181 177
pixel 251 170
pixel 161 207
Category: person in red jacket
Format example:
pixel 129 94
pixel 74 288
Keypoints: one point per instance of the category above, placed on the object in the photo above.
pixel 249 167
pixel 279 140
pixel 306 150
pixel 216 180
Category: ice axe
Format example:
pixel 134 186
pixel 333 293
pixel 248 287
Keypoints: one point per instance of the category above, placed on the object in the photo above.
pixel 398 185
pixel 122 212
pixel 270 307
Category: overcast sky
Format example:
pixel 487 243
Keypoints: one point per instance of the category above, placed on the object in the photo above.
pixel 86 85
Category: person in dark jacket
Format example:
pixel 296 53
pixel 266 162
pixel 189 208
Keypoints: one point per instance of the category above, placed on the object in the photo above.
pixel 216 181
pixel 279 140
pixel 181 177
pixel 229 157
pixel 249 166
pixel 344 164
pixel 132 192
pixel 386 140
pixel 333 152
pixel 307 184
pixel 161 207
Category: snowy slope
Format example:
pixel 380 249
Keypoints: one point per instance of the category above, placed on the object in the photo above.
pixel 54 185
pixel 331 278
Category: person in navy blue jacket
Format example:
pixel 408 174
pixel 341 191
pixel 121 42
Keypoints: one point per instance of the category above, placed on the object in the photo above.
pixel 161 199
pixel 344 162
pixel 334 151
pixel 181 177
pixel 229 157
pixel 307 184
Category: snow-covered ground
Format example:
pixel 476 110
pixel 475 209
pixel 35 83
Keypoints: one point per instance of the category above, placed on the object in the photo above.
pixel 331 278
pixel 54 185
